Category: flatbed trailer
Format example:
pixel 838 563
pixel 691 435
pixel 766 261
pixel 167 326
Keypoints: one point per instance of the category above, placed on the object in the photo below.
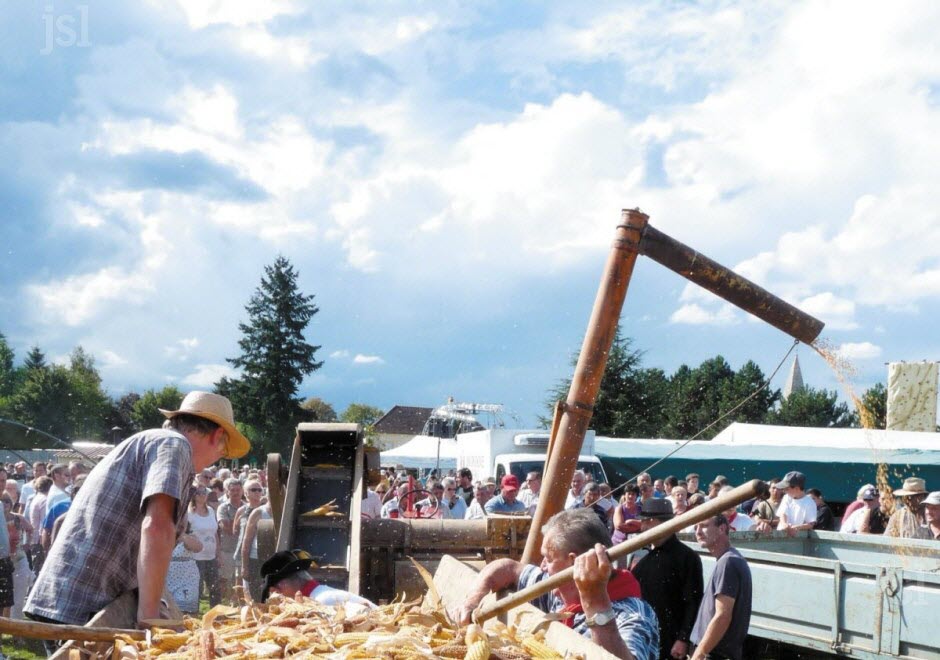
pixel 855 595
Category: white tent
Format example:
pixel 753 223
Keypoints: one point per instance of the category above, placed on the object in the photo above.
pixel 422 452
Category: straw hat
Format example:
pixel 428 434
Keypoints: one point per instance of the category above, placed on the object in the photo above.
pixel 216 408
pixel 912 486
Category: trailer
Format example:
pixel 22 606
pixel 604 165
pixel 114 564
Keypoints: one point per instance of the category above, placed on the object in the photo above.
pixel 856 595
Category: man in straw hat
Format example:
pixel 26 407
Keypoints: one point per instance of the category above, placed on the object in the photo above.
pixel 908 518
pixel 121 529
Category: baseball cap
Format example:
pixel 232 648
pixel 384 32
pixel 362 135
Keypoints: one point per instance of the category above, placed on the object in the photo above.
pixel 791 479
pixel 869 494
pixel 510 482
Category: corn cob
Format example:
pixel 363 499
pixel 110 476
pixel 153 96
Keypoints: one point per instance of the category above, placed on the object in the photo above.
pixel 345 639
pixel 478 644
pixel 539 649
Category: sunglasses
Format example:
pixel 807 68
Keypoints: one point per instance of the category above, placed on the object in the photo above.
pixel 255 490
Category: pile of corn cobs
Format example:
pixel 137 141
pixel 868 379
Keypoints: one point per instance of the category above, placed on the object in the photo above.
pixel 303 628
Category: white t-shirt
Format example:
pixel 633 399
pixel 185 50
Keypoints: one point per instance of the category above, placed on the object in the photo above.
pixel 474 511
pixel 329 596
pixel 573 502
pixel 205 528
pixel 852 524
pixel 798 512
pixel 372 505
pixel 530 499
pixel 741 523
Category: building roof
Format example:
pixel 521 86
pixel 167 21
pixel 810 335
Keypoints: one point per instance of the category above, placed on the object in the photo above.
pixel 404 420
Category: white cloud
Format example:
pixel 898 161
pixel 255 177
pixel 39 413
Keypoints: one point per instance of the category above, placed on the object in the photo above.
pixel 79 298
pixel 110 359
pixel 342 353
pixel 694 314
pixel 203 13
pixel 859 351
pixel 367 359
pixel 837 313
pixel 181 349
pixel 207 375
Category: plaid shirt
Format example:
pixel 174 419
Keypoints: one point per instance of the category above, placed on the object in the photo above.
pixel 94 558
pixel 636 620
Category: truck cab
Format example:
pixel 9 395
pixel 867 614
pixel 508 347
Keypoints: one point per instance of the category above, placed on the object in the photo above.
pixel 498 452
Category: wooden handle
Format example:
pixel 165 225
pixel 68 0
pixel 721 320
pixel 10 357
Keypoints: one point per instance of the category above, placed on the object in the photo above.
pixel 661 531
pixel 40 630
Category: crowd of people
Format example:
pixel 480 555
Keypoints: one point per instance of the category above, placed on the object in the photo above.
pixel 139 522
pixel 207 560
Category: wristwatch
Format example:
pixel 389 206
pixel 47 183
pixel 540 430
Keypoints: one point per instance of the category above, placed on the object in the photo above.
pixel 601 618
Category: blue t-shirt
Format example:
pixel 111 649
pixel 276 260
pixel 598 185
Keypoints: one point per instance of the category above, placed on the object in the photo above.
pixel 53 514
pixel 499 505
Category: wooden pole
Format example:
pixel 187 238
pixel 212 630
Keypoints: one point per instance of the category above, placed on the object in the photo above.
pixel 39 630
pixel 661 531
pixel 579 406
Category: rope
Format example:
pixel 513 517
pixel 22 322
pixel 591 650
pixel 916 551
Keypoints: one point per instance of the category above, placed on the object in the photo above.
pixel 705 428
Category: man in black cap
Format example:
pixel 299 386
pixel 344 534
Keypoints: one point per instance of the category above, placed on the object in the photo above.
pixel 288 572
pixel 670 576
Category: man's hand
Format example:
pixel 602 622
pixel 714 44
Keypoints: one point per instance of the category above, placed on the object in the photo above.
pixel 591 574
pixel 463 613
pixel 679 650
pixel 763 526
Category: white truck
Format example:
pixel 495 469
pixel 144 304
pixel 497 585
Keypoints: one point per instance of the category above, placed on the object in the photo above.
pixel 498 452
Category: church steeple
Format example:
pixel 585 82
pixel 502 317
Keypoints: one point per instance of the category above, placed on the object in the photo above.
pixel 794 380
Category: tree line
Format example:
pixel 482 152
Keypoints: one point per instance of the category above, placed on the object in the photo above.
pixel 69 402
pixel 642 402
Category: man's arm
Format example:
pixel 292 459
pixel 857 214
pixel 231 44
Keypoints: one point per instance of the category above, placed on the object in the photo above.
pixel 497 575
pixel 157 540
pixel 717 627
pixel 591 574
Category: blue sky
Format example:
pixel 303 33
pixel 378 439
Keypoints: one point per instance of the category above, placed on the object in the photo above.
pixel 447 178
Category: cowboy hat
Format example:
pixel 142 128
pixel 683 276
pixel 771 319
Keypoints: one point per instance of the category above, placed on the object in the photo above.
pixel 281 565
pixel 658 508
pixel 216 408
pixel 912 486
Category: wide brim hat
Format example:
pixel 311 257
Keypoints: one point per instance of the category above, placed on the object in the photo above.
pixel 933 498
pixel 216 408
pixel 281 565
pixel 912 486
pixel 658 508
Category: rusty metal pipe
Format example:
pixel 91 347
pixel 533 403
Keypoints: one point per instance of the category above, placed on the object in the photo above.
pixel 579 406
pixel 711 508
pixel 727 284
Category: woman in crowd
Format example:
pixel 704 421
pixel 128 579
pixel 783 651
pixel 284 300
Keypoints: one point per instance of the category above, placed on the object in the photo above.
pixel 204 526
pixel 35 514
pixel 254 493
pixel 626 515
pixel 182 578
pixel 250 560
pixel 18 531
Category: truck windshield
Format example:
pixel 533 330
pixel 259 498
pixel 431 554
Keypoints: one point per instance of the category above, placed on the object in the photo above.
pixel 522 468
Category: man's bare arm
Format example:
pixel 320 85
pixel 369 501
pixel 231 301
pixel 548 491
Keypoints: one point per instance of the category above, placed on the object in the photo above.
pixel 717 627
pixel 157 540
pixel 497 575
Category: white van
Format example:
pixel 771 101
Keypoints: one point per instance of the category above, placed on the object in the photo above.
pixel 498 452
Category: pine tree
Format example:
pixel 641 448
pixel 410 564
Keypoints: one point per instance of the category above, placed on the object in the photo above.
pixel 631 401
pixel 35 359
pixel 7 372
pixel 275 358
pixel 812 407
pixel 875 403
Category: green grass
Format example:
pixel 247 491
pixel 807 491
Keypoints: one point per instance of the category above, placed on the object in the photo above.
pixel 23 649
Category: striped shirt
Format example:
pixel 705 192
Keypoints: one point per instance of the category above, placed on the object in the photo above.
pixel 94 558
pixel 636 620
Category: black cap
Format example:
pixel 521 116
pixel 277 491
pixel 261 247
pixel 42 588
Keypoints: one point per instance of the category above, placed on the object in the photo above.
pixel 656 507
pixel 281 565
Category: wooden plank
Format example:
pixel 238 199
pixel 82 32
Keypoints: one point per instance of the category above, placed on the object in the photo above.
pixel 285 535
pixel 355 516
pixel 452 580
